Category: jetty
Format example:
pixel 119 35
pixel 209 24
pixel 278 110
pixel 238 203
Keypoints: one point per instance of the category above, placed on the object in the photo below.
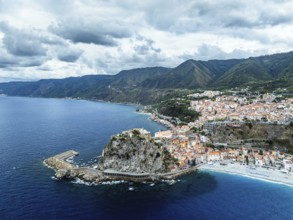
pixel 66 155
pixel 64 168
pixel 59 162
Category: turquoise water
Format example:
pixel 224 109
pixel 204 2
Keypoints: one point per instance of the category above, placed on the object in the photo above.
pixel 33 129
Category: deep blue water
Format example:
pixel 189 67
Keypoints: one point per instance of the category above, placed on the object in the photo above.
pixel 33 129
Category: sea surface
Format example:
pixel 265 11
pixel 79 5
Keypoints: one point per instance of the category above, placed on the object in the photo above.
pixel 32 129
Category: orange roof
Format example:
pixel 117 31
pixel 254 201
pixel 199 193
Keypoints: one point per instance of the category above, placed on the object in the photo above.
pixel 214 153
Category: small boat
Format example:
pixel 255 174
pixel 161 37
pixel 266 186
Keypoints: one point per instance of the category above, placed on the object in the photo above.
pixel 152 184
pixel 130 188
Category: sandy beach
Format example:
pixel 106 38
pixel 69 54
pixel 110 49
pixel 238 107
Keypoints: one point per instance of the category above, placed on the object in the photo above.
pixel 260 173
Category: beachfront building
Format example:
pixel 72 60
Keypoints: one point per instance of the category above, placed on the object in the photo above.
pixel 288 165
pixel 259 160
pixel 214 156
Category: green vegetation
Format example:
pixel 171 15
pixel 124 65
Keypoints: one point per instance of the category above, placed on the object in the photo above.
pixel 169 160
pixel 194 129
pixel 154 84
pixel 178 108
pixel 136 132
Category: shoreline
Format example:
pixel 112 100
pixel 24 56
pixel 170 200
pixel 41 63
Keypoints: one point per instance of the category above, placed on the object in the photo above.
pixel 77 99
pixel 274 176
pixel 286 179
pixel 65 169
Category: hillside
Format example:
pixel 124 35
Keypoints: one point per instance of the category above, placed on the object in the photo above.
pixel 152 84
pixel 244 73
pixel 191 74
pixel 274 136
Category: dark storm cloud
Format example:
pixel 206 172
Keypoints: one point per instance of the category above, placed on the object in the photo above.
pixel 95 32
pixel 145 46
pixel 261 20
pixel 7 61
pixel 22 42
pixel 211 16
pixel 30 47
pixel 68 54
pixel 28 42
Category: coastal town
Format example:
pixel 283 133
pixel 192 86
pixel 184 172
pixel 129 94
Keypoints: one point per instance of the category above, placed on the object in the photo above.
pixel 243 133
pixel 192 143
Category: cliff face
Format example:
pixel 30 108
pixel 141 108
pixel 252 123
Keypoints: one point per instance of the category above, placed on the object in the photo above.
pixel 135 151
pixel 273 135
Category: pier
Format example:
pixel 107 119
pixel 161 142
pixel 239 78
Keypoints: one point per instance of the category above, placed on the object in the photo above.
pixel 58 161
pixel 65 168
pixel 66 155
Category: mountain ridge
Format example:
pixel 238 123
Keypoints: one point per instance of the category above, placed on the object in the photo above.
pixel 152 84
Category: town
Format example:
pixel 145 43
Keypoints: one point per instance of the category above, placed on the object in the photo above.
pixel 192 143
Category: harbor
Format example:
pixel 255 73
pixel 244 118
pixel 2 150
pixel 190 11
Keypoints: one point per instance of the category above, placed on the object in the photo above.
pixel 66 169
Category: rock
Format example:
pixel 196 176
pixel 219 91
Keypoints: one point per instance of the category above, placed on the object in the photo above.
pixel 134 151
pixel 72 174
pixel 89 178
pixel 61 173
pixel 58 164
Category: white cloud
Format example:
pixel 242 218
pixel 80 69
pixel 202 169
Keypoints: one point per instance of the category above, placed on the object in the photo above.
pixel 54 39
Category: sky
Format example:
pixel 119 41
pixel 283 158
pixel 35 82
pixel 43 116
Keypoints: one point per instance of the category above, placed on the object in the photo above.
pixel 63 38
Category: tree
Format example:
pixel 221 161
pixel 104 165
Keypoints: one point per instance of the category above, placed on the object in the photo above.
pixel 246 159
pixel 136 132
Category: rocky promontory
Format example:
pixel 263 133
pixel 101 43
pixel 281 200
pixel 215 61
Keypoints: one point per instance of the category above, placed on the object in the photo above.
pixel 132 155
pixel 135 151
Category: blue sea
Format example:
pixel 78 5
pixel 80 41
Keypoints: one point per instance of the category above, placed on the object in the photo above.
pixel 32 129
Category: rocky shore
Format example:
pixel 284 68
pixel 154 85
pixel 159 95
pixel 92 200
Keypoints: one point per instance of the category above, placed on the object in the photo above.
pixel 130 156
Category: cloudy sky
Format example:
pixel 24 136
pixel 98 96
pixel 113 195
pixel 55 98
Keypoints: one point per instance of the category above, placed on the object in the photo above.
pixel 61 38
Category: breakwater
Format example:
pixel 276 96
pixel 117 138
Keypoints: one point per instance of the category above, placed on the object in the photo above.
pixel 65 169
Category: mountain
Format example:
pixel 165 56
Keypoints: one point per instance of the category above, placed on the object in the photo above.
pixel 152 84
pixel 134 77
pixel 102 87
pixel 68 87
pixel 191 74
pixel 243 73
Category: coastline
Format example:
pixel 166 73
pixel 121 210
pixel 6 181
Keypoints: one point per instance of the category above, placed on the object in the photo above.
pixel 65 169
pixel 284 180
pixel 262 174
pixel 78 99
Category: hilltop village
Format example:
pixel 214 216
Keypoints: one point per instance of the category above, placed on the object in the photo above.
pixel 247 121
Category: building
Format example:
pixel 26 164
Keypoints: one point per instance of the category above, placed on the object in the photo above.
pixel 164 134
